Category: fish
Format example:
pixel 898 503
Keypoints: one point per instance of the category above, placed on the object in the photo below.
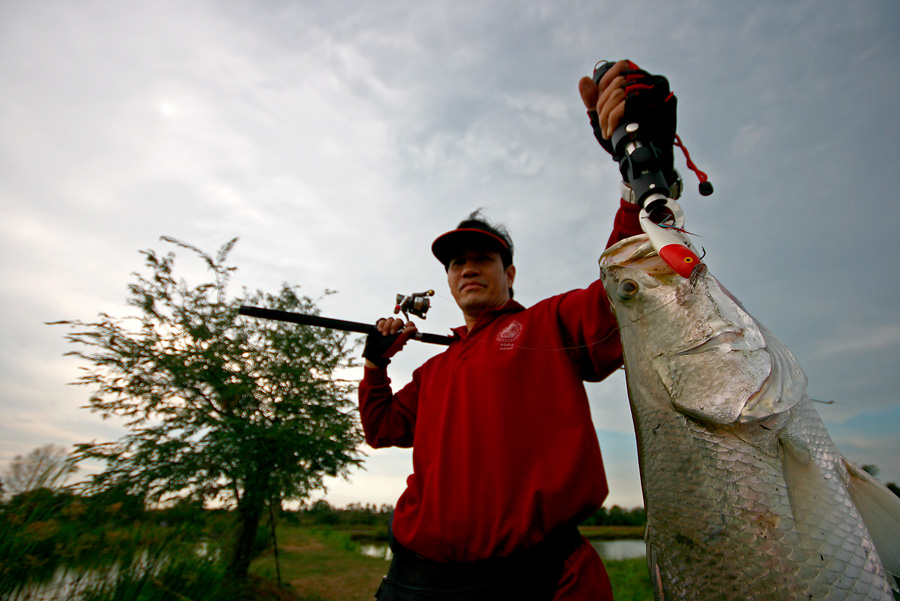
pixel 746 495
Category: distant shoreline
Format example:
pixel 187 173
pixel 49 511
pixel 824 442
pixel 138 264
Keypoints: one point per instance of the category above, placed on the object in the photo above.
pixel 612 532
pixel 593 533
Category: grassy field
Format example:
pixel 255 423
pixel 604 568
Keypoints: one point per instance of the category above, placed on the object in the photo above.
pixel 324 565
pixel 612 532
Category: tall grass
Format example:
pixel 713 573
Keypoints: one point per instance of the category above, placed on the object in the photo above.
pixel 53 548
pixel 187 577
pixel 164 573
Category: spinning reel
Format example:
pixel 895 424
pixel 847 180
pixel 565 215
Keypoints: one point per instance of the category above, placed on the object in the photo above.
pixel 416 303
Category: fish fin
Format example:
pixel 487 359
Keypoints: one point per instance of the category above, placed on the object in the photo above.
pixel 785 386
pixel 880 510
pixel 659 593
pixel 805 483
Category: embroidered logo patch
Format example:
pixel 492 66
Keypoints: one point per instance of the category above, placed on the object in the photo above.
pixel 509 335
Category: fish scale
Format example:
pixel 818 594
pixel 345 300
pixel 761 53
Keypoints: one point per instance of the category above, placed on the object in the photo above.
pixel 746 495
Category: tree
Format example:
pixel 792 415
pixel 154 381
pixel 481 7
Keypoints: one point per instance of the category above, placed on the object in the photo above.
pixel 44 467
pixel 219 406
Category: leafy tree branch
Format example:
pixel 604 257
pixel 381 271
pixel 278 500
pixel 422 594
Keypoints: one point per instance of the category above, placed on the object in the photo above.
pixel 218 406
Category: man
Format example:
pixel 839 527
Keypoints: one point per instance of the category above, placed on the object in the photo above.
pixel 506 461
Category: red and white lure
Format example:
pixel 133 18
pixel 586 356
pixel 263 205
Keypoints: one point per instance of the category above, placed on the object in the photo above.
pixel 667 238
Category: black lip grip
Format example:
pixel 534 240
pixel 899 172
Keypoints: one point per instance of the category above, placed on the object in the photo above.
pixel 640 161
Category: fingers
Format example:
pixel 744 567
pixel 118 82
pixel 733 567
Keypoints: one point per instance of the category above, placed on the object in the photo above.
pixel 589 93
pixel 612 110
pixel 393 325
pixel 612 74
pixel 611 103
pixel 389 326
pixel 606 97
pixel 592 93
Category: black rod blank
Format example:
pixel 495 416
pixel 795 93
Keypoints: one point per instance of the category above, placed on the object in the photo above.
pixel 334 324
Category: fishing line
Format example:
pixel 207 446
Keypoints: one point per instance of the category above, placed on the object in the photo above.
pixel 542 349
pixel 586 345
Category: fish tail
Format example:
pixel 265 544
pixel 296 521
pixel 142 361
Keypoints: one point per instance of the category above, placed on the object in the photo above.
pixel 880 510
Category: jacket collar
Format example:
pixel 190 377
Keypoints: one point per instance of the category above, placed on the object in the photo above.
pixel 487 317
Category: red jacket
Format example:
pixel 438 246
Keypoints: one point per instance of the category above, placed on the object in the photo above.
pixel 504 450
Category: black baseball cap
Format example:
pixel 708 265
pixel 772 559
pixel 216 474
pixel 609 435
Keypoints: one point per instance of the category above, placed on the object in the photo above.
pixel 471 235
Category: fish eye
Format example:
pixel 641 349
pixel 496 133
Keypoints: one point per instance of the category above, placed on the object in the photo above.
pixel 627 289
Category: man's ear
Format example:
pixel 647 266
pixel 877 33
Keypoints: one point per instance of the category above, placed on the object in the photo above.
pixel 511 274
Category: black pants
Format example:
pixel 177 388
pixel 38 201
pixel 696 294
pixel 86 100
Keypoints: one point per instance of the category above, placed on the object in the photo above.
pixel 530 575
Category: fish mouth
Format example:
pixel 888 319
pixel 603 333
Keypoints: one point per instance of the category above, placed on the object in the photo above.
pixel 715 361
pixel 628 251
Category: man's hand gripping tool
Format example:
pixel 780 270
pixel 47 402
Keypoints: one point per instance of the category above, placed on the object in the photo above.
pixel 642 165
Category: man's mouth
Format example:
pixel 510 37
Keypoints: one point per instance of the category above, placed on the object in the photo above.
pixel 469 285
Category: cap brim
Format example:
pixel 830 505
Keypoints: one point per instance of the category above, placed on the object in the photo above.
pixel 452 244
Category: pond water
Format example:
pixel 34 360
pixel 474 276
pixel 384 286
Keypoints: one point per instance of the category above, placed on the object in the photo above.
pixel 620 549
pixel 65 584
pixel 607 549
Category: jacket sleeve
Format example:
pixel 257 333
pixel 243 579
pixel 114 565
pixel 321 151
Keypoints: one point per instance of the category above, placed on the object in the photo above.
pixel 626 223
pixel 585 318
pixel 388 419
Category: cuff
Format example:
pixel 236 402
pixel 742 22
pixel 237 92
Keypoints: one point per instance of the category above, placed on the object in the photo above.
pixel 376 375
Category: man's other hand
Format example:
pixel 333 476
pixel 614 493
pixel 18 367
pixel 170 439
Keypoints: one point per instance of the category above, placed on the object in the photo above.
pixel 391 336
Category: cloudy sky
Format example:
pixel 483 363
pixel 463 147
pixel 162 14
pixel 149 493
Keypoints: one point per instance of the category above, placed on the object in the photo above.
pixel 337 139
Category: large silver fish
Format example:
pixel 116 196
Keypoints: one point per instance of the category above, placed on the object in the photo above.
pixel 746 495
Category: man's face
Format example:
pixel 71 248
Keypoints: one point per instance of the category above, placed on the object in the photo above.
pixel 478 281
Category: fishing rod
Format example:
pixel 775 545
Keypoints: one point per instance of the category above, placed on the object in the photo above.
pixel 416 303
pixel 642 165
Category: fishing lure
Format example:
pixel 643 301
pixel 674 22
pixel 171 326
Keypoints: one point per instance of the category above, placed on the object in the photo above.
pixel 663 225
